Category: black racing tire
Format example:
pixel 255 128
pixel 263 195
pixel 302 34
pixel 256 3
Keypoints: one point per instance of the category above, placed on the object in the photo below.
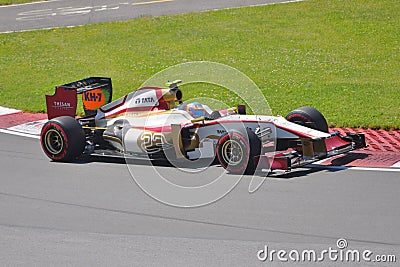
pixel 239 153
pixel 309 117
pixel 62 139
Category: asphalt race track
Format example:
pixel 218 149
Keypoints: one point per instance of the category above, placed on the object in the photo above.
pixel 92 212
pixel 62 13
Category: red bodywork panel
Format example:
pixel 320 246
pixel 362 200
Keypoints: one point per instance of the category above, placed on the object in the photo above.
pixel 335 142
pixel 62 103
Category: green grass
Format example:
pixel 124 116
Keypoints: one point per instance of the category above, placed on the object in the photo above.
pixel 342 57
pixel 11 2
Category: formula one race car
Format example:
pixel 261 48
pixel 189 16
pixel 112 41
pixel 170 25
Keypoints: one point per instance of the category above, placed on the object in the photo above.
pixel 153 122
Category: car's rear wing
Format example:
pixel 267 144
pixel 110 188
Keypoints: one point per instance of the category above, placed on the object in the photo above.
pixel 95 91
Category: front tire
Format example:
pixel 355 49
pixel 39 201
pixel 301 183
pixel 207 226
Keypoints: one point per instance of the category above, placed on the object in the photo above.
pixel 62 139
pixel 238 153
pixel 309 117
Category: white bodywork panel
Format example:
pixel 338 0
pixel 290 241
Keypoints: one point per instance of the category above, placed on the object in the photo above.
pixel 143 128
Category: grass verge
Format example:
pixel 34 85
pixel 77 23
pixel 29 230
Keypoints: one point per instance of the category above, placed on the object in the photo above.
pixel 340 56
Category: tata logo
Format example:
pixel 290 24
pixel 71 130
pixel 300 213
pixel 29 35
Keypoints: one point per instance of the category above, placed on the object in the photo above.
pixel 144 100
pixel 60 104
pixel 90 96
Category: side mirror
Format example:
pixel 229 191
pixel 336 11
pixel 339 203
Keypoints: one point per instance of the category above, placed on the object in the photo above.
pixel 241 109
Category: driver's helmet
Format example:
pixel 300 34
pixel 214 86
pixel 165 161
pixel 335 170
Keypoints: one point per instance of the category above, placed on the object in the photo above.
pixel 195 109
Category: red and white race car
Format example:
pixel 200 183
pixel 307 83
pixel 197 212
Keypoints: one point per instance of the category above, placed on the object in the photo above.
pixel 153 122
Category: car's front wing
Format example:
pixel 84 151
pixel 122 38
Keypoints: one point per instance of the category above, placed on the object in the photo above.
pixel 311 150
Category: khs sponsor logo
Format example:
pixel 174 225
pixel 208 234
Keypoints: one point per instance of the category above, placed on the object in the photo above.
pixel 144 100
pixel 60 104
pixel 90 96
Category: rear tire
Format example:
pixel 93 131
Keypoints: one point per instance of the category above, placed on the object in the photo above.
pixel 309 117
pixel 62 139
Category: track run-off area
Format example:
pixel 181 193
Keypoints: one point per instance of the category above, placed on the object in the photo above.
pixel 70 13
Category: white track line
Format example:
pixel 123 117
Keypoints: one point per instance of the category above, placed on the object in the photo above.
pixel 31 3
pixel 254 5
pixel 388 169
pixel 150 2
pixel 396 165
pixel 44 29
pixel 6 111
pixel 19 134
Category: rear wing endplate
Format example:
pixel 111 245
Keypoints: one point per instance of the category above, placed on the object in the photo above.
pixel 96 92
